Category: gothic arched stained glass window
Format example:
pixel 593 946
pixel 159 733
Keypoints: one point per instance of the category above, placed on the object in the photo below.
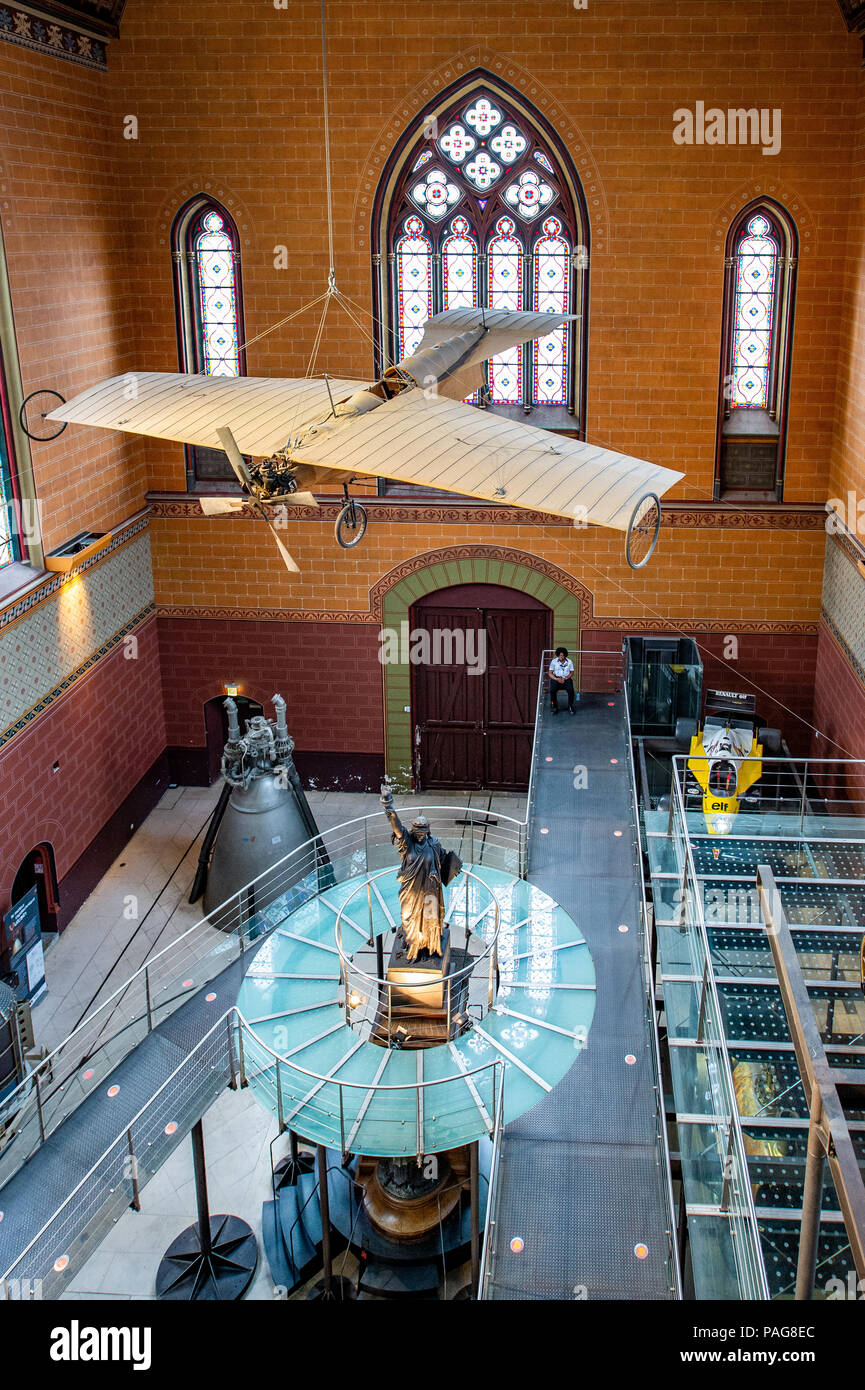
pixel 479 206
pixel 217 296
pixel 756 283
pixel 9 542
pixel 208 297
pixel 756 351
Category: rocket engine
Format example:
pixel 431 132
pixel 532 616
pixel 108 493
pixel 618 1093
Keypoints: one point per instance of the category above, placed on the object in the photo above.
pixel 262 814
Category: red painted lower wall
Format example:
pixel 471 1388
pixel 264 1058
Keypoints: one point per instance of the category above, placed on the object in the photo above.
pixel 330 676
pixel 328 673
pixel 839 702
pixel 106 733
pixel 779 668
pixel 109 730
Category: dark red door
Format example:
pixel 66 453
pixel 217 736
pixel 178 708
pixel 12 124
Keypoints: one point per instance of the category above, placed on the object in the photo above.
pixel 448 701
pixel 515 641
pixel 474 693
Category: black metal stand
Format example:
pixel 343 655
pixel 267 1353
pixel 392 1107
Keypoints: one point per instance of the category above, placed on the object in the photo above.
pixel 213 1259
pixel 330 1288
pixel 289 1169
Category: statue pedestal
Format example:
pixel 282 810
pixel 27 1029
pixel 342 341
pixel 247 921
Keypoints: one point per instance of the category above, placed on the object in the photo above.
pixel 421 982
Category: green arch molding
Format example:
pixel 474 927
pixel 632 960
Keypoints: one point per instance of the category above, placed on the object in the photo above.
pixel 393 595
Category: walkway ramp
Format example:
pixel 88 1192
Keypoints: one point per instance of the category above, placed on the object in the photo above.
pixel 582 1179
pixel 30 1199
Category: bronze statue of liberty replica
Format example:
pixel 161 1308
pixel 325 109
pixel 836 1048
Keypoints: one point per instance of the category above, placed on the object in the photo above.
pixel 427 867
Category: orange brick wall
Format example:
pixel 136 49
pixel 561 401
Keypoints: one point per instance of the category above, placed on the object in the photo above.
pixel 848 454
pixel 73 288
pixel 249 128
pixel 695 575
pixel 228 98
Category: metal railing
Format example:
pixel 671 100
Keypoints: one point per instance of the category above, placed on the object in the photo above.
pixel 673 1270
pixel 714 1160
pixel 595 672
pixel 490 1223
pixel 802 793
pixel 58 1250
pixel 57 1083
pixel 339 1107
pixel 358 847
pixel 373 1001
pixel 60 1081
pixel 230 1053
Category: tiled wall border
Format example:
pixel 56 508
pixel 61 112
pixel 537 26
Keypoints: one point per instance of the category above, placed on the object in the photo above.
pixel 75 676
pixel 52 39
pixel 674 514
pixel 53 583
pixel 850 548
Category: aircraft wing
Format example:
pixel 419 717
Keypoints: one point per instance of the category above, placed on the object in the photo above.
pixel 262 412
pixel 457 342
pixel 444 444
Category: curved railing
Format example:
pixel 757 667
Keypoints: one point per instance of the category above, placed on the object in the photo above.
pixel 61 1080
pixel 229 1053
pixel 339 1106
pixel 372 1012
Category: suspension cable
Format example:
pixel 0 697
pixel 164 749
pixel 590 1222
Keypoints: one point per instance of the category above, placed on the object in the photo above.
pixel 331 278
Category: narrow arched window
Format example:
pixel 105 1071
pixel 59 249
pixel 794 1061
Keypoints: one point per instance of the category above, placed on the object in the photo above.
pixel 216 299
pixel 756 352
pixel 19 530
pixel 479 205
pixel 209 308
pixel 10 545
pixel 459 267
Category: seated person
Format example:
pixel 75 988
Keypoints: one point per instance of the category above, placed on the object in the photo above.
pixel 561 678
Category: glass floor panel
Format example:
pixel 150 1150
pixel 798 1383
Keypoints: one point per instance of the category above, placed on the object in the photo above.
pixel 339 1088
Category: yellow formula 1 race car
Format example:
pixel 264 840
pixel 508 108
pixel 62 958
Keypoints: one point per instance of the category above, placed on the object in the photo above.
pixel 725 758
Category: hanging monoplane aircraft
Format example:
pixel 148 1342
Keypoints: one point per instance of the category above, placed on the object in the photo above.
pixel 412 425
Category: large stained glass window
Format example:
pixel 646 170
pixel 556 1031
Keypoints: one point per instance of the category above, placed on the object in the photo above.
pixel 754 314
pixel 217 296
pixel 482 215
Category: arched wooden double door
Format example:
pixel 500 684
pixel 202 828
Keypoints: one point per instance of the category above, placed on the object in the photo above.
pixel 474 653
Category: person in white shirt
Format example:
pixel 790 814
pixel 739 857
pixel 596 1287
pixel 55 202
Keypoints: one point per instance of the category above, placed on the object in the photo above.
pixel 561 678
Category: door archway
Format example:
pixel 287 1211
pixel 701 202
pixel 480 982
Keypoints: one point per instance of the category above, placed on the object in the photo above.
pixel 474 652
pixel 37 869
pixel 398 590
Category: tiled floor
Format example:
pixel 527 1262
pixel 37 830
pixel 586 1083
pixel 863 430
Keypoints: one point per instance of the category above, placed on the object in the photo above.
pixel 139 906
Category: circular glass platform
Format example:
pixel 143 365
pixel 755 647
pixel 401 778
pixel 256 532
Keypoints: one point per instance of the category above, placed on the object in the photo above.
pixel 333 1086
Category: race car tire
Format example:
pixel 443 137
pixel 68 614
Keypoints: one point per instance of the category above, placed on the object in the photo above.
pixel 685 731
pixel 770 741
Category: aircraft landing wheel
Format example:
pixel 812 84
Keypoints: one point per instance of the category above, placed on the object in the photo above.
pixel 643 531
pixel 351 525
pixel 33 412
